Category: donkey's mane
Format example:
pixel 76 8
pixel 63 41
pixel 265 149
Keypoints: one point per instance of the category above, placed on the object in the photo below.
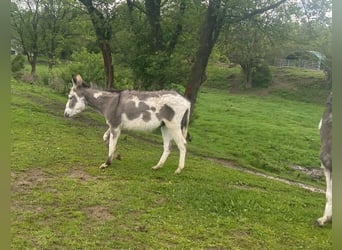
pixel 95 86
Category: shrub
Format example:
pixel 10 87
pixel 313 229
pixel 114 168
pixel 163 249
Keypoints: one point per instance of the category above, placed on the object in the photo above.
pixel 88 65
pixel 262 76
pixel 17 63
pixel 123 78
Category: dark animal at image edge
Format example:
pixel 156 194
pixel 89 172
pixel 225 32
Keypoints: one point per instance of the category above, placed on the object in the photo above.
pixel 135 110
pixel 325 127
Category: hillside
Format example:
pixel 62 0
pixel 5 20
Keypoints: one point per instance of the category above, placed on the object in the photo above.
pixel 291 83
pixel 61 200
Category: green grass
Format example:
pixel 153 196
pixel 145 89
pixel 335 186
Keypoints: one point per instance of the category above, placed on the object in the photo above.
pixel 60 199
pixel 303 85
pixel 268 133
pixel 220 75
pixel 291 83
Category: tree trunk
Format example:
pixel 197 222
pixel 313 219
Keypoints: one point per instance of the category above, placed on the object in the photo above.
pixel 104 33
pixel 108 65
pixel 33 64
pixel 153 17
pixel 52 59
pixel 33 67
pixel 247 72
pixel 210 31
pixel 32 59
pixel 208 36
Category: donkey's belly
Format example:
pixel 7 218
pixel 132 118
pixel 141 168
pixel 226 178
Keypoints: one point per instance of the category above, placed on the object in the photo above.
pixel 141 124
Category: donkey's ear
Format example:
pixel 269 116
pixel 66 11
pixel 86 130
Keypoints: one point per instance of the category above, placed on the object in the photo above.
pixel 77 80
pixel 86 85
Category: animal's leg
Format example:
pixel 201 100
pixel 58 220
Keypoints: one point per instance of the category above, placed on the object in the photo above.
pixel 106 136
pixel 167 147
pixel 113 140
pixel 327 216
pixel 181 142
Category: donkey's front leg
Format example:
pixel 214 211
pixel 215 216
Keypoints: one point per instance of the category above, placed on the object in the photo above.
pixel 113 140
pixel 106 136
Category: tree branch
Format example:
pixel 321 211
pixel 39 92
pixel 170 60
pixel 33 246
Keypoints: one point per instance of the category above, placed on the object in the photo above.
pixel 132 3
pixel 258 11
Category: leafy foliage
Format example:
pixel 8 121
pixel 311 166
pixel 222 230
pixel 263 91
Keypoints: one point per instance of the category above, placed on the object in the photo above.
pixel 158 41
pixel 17 63
pixel 262 76
pixel 89 65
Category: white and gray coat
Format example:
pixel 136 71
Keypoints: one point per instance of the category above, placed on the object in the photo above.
pixel 325 127
pixel 135 110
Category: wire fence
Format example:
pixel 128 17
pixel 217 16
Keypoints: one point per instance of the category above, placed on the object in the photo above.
pixel 316 65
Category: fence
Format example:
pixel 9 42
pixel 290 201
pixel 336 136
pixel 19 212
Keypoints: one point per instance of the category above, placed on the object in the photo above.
pixel 316 65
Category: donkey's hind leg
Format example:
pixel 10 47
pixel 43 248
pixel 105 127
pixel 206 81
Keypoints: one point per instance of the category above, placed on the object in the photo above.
pixel 167 147
pixel 327 216
pixel 113 140
pixel 181 142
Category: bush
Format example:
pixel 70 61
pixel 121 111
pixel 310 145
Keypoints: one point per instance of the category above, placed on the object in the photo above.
pixel 88 65
pixel 17 63
pixel 123 78
pixel 262 76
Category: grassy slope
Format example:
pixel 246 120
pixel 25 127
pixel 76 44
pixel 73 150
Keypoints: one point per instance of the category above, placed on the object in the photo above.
pixel 291 83
pixel 267 133
pixel 60 200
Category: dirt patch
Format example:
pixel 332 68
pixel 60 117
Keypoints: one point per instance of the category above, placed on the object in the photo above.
pixel 230 164
pixel 247 187
pixel 35 176
pixel 81 175
pixel 315 174
pixel 160 201
pixel 28 179
pixel 24 182
pixel 99 213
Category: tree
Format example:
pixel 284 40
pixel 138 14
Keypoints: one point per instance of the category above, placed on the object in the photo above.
pixel 316 30
pixel 158 26
pixel 25 20
pixel 218 13
pixel 250 42
pixel 55 21
pixel 101 13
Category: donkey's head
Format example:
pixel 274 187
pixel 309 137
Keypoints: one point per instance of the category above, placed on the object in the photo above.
pixel 76 102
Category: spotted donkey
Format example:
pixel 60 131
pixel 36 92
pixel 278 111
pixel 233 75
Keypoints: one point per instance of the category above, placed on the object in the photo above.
pixel 325 127
pixel 134 110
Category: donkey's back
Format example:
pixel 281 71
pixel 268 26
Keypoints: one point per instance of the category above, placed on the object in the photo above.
pixel 150 110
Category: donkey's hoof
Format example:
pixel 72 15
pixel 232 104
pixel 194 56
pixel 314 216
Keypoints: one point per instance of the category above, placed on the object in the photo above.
pixel 322 221
pixel 156 167
pixel 178 171
pixel 103 166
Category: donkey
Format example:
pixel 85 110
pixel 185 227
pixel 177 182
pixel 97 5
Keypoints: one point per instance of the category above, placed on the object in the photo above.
pixel 325 127
pixel 134 110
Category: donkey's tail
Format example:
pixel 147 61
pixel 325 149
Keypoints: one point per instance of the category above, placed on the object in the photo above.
pixel 185 125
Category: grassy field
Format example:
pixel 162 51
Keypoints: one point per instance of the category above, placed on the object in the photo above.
pixel 290 83
pixel 61 200
pixel 268 133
